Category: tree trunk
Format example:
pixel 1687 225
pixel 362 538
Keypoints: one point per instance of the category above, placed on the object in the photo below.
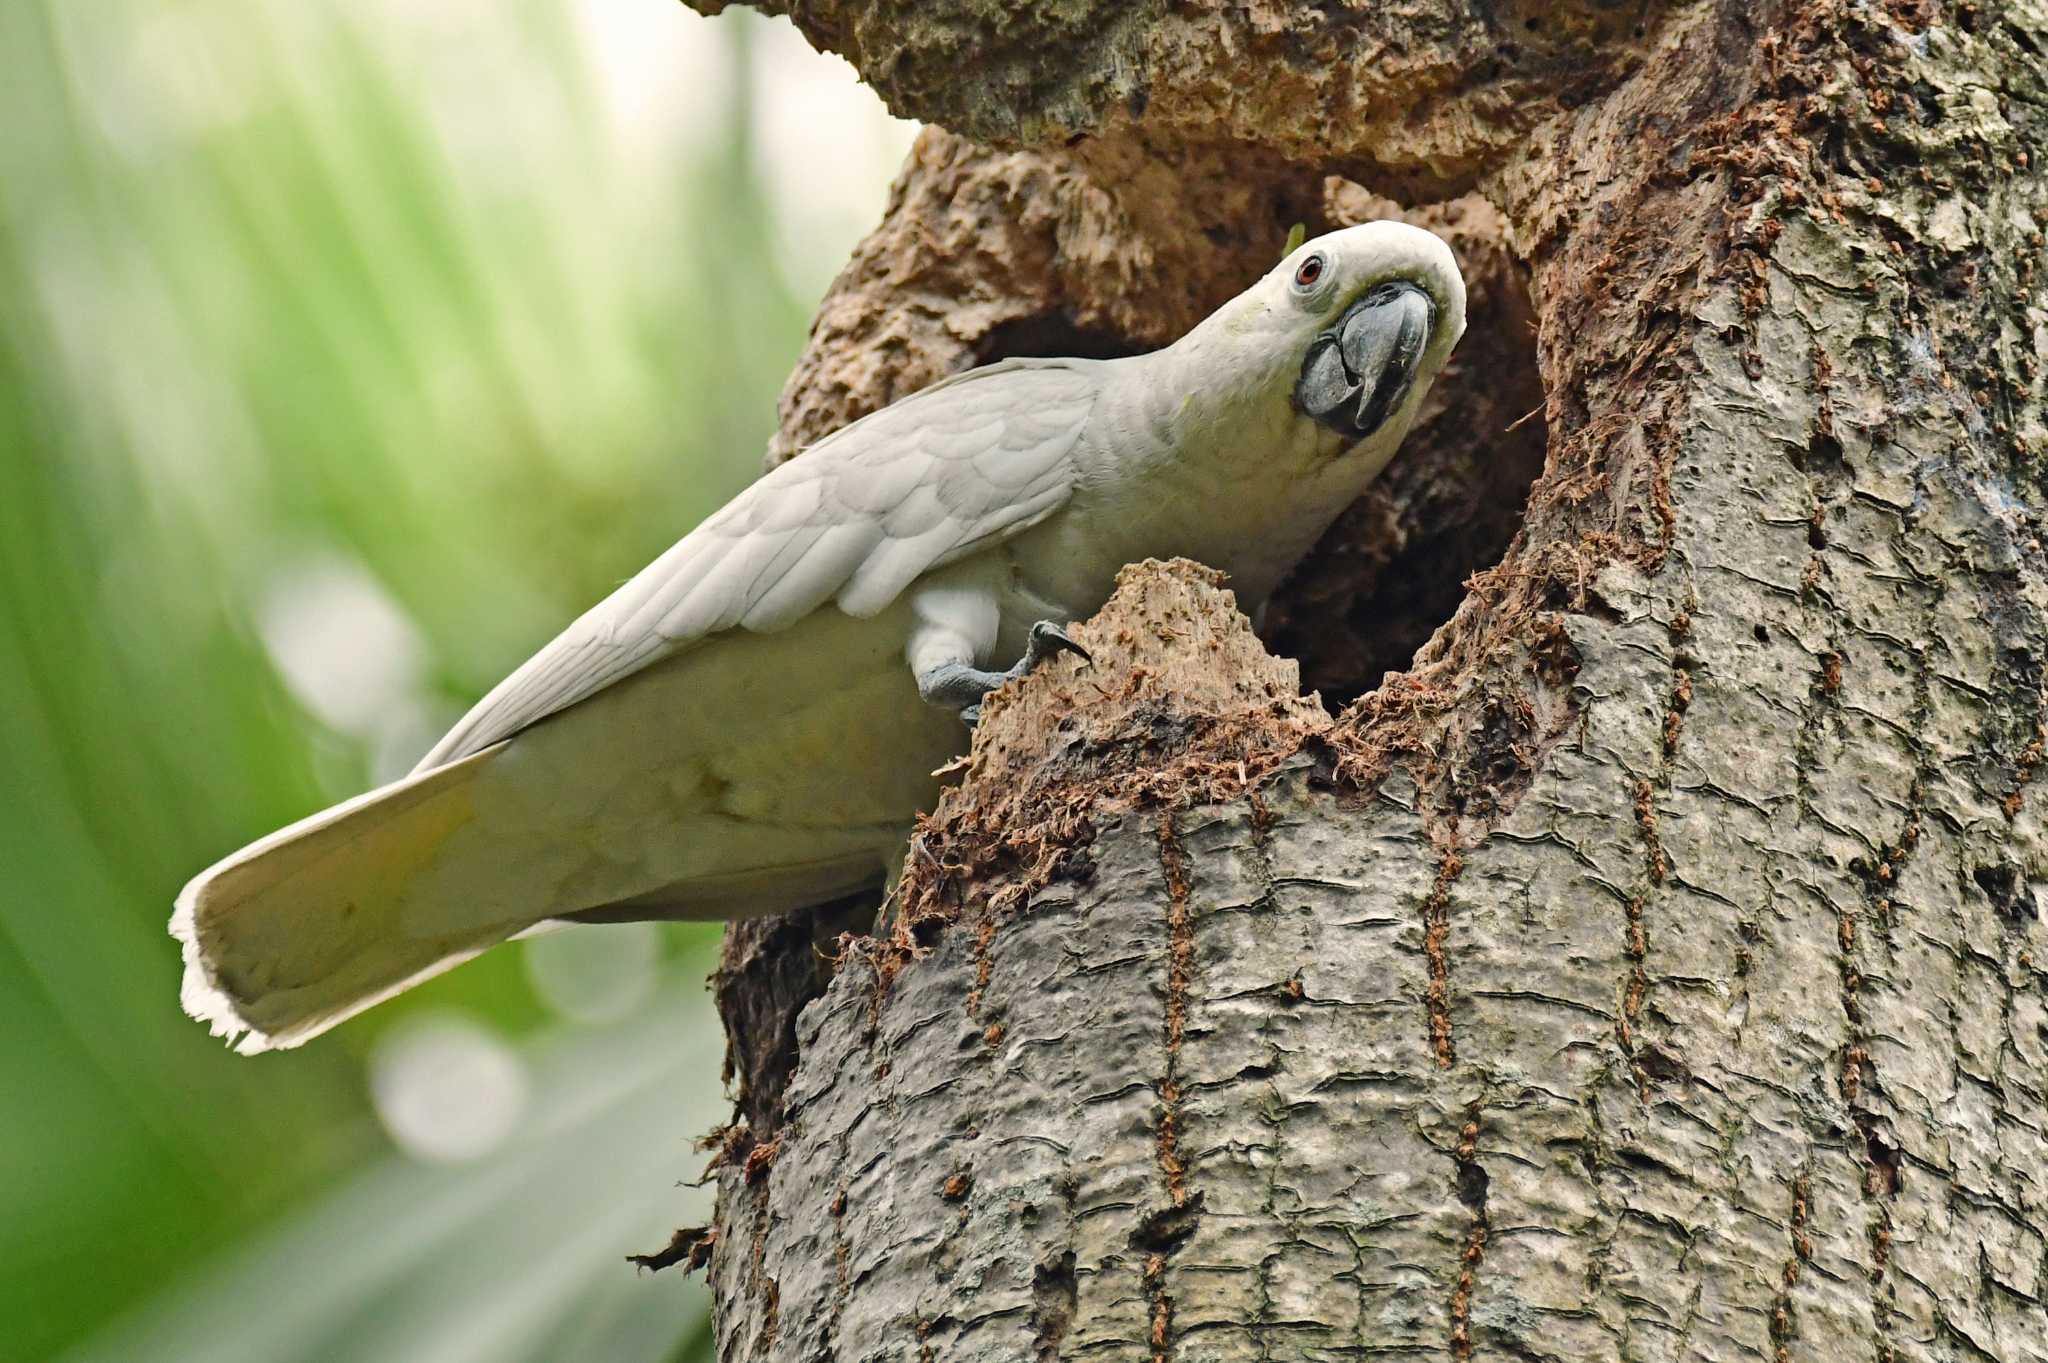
pixel 1652 969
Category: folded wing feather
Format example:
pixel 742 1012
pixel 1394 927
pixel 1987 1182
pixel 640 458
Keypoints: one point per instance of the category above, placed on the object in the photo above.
pixel 857 517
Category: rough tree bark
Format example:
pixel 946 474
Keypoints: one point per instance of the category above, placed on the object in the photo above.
pixel 1650 970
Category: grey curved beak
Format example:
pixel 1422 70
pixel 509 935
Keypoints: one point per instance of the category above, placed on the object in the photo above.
pixel 1359 369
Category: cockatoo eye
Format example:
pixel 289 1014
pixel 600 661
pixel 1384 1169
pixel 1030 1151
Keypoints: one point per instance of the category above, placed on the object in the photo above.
pixel 1309 271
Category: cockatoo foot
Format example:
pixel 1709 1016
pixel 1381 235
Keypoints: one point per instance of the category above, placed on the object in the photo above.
pixel 965 687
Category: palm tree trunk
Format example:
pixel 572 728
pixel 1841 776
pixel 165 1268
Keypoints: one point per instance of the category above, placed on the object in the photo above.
pixel 1654 969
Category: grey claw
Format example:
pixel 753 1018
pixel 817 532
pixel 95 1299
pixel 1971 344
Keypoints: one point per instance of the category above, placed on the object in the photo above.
pixel 1048 640
pixel 951 681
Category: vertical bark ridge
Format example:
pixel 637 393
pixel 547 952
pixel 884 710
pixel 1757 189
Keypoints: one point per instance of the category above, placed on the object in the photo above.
pixel 1162 1307
pixel 1265 885
pixel 1636 987
pixel 770 1295
pixel 1884 1295
pixel 1179 969
pixel 1165 1232
pixel 1471 1190
pixel 1867 954
pixel 1645 797
pixel 2030 758
pixel 1436 931
pixel 842 1250
pixel 1798 1251
pixel 984 931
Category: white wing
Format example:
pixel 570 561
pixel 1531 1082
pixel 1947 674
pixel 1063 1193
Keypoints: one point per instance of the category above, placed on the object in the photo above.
pixel 855 519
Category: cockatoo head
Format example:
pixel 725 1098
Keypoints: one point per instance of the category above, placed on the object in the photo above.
pixel 1351 327
pixel 1381 305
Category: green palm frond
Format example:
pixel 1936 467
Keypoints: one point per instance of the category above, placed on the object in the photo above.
pixel 374 292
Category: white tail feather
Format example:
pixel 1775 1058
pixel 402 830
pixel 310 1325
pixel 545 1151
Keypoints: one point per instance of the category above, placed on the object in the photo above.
pixel 309 926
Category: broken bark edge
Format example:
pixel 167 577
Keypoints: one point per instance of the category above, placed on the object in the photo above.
pixel 1181 705
pixel 690 1246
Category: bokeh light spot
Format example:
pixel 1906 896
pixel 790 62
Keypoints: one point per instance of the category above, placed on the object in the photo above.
pixel 591 973
pixel 447 1088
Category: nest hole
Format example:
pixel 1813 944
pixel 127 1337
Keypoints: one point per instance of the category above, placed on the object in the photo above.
pixel 1052 335
pixel 1392 568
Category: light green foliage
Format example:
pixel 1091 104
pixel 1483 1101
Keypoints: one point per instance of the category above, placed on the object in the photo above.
pixel 323 289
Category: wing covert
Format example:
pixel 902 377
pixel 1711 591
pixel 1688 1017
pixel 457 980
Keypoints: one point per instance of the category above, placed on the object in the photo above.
pixel 856 518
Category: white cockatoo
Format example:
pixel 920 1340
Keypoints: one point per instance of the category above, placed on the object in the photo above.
pixel 751 723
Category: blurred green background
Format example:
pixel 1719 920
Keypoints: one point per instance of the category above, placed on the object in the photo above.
pixel 349 348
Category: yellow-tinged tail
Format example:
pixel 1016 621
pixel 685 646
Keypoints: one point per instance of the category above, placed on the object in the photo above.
pixel 321 920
